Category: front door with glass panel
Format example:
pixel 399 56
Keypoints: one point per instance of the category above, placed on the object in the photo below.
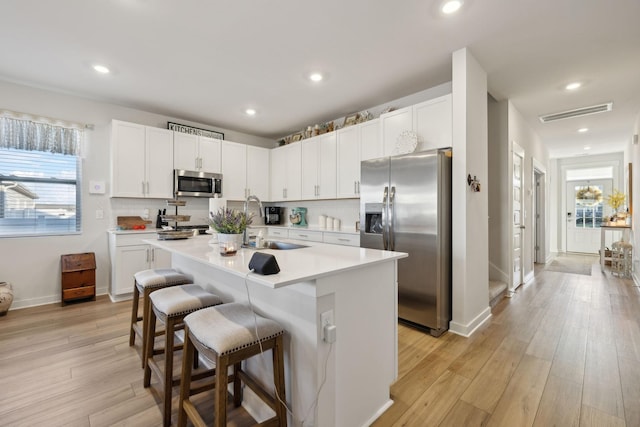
pixel 585 211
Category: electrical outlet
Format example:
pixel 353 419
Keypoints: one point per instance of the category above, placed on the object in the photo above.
pixel 326 319
pixel 145 214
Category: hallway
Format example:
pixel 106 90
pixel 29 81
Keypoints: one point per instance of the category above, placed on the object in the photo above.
pixel 565 351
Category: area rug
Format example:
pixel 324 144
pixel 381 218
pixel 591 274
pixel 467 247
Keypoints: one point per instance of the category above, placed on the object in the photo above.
pixel 565 265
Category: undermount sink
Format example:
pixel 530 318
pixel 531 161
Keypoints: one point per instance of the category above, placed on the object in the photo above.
pixel 270 244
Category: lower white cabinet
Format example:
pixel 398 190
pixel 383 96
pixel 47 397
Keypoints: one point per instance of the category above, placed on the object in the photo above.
pixel 128 256
pixel 277 232
pixel 312 236
pixel 341 239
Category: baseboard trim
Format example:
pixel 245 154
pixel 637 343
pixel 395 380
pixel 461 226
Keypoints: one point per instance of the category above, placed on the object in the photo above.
pixel 468 329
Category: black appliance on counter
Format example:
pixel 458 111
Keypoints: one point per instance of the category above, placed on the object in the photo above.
pixel 273 215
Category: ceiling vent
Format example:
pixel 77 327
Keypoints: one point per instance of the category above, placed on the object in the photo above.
pixel 578 112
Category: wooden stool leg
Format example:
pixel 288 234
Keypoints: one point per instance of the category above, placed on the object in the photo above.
pixel 168 370
pixel 185 381
pixel 222 379
pixel 146 314
pixel 278 380
pixel 134 314
pixel 237 385
pixel 149 342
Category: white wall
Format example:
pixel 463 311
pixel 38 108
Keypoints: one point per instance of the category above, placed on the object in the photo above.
pixel 521 133
pixel 32 264
pixel 470 247
pixel 499 191
pixel 634 159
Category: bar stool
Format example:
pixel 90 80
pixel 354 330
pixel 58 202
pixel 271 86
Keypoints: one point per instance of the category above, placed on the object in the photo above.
pixel 170 306
pixel 226 334
pixel 145 282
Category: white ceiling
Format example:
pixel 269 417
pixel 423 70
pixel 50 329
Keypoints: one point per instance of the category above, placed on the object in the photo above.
pixel 207 60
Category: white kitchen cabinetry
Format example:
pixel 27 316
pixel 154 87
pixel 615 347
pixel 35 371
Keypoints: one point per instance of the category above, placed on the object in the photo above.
pixel 128 256
pixel 141 161
pixel 245 171
pixel 196 153
pixel 277 232
pixel 286 172
pixel 341 239
pixel 258 172
pixel 312 236
pixel 319 167
pixel 431 121
pixel 354 144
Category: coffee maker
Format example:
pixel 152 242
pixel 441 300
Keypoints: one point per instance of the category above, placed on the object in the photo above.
pixel 272 215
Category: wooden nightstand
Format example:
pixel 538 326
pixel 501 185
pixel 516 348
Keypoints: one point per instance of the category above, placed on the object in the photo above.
pixel 78 277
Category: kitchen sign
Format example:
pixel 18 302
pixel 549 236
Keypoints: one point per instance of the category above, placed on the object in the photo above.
pixel 194 131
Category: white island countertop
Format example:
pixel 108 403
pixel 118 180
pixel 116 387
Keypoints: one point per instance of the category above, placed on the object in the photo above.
pixel 296 265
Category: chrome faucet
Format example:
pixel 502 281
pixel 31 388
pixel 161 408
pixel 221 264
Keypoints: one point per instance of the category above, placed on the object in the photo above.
pixel 245 240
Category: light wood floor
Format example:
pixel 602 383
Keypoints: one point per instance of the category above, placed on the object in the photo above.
pixel 564 351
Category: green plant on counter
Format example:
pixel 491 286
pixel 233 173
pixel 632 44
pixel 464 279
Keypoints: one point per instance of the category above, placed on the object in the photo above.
pixel 229 221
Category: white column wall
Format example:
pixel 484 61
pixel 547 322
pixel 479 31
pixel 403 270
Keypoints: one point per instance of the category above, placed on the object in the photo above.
pixel 470 247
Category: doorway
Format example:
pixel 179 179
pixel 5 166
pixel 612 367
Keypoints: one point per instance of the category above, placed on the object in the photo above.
pixel 540 216
pixel 517 216
pixel 585 212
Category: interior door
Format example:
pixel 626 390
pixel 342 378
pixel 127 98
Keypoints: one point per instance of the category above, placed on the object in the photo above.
pixel 585 210
pixel 517 275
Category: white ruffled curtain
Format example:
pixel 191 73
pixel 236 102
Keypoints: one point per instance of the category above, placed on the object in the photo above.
pixel 24 132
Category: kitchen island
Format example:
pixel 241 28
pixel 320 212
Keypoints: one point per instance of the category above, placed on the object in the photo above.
pixel 355 288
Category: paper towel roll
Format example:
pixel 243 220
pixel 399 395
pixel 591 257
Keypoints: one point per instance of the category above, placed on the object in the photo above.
pixel 216 204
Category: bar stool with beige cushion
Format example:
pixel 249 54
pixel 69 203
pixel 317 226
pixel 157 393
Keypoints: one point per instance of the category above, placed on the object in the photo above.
pixel 226 334
pixel 170 306
pixel 145 282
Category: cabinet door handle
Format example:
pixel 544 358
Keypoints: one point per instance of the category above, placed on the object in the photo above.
pixel 200 162
pixel 153 255
pixel 147 256
pixel 303 235
pixel 355 187
pixel 343 240
pixel 358 186
pixel 142 187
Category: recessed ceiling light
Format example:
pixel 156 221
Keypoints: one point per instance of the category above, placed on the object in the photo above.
pixel 573 86
pixel 101 69
pixel 587 148
pixel 250 112
pixel 315 77
pixel 583 130
pixel 451 6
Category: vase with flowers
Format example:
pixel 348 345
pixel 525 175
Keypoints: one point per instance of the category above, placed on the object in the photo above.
pixel 230 225
pixel 616 200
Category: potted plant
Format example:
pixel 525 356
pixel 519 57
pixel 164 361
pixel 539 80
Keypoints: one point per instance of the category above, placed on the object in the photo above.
pixel 616 201
pixel 230 224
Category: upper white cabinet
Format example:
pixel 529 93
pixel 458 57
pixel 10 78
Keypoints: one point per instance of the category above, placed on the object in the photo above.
pixel 245 171
pixel 141 161
pixel 431 121
pixel 196 153
pixel 319 167
pixel 257 172
pixel 286 172
pixel 354 144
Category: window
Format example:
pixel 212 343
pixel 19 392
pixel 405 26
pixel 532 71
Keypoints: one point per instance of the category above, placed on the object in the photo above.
pixel 588 206
pixel 39 179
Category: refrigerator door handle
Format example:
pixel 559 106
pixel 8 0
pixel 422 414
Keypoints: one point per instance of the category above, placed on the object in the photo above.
pixel 392 237
pixel 384 218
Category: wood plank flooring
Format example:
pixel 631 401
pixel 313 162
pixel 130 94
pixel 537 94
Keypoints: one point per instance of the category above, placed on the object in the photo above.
pixel 564 351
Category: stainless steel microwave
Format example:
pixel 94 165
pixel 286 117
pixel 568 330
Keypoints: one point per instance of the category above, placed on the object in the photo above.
pixel 196 184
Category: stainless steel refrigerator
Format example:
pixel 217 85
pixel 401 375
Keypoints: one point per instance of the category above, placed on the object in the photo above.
pixel 405 206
